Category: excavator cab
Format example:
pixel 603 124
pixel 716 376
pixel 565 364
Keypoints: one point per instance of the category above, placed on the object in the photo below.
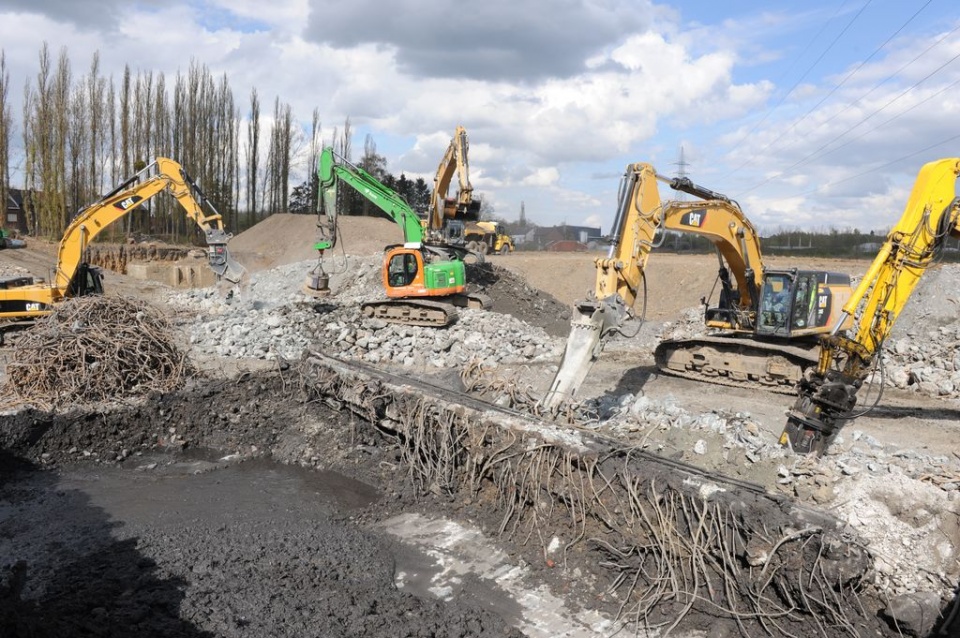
pixel 799 302
pixel 406 273
pixel 775 305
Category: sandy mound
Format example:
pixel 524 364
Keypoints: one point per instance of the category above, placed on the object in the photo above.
pixel 285 238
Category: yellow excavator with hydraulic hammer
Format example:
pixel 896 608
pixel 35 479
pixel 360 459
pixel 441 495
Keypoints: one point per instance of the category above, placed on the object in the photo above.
pixel 764 327
pixel 22 298
pixel 827 395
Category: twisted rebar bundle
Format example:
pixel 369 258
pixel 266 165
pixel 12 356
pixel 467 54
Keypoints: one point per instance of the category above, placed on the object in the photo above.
pixel 95 349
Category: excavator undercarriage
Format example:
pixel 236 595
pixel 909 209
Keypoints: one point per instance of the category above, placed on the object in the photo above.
pixel 737 361
pixel 431 313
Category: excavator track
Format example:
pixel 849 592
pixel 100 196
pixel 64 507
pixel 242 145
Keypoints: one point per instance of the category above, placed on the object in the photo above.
pixel 736 362
pixel 431 313
pixel 412 312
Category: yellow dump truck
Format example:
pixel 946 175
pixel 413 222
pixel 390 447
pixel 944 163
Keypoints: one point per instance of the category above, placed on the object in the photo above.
pixel 487 237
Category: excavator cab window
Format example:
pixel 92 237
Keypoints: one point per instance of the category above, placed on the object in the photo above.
pixel 805 302
pixel 775 304
pixel 402 269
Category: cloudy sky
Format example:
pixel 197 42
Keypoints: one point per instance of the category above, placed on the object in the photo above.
pixel 813 114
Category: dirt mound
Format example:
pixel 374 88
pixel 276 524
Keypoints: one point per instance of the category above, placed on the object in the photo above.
pixel 512 295
pixel 285 238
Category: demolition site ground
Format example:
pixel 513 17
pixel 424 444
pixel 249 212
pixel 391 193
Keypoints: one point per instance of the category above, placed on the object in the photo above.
pixel 318 474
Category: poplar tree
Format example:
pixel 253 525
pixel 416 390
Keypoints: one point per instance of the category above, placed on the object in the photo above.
pixel 253 154
pixel 6 124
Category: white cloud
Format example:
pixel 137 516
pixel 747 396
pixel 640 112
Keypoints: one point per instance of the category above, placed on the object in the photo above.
pixel 578 91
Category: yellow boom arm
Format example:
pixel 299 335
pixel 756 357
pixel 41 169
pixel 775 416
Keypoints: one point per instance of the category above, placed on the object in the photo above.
pixel 826 399
pixel 163 175
pixel 454 161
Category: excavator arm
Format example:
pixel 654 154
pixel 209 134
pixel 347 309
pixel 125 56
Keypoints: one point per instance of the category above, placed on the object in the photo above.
pixel 28 300
pixel 640 215
pixel 826 397
pixel 331 172
pixel 162 175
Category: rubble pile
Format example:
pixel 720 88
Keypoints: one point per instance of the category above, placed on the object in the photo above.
pixel 906 504
pixel 273 318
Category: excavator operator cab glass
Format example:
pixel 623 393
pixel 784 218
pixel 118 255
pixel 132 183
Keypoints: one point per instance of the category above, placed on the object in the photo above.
pixel 774 310
pixel 805 302
pixel 402 269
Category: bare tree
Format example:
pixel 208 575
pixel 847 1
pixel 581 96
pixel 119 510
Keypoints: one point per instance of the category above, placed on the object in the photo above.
pixel 316 142
pixel 77 152
pixel 30 160
pixel 278 157
pixel 6 124
pixel 126 132
pixel 97 120
pixel 45 138
pixel 253 154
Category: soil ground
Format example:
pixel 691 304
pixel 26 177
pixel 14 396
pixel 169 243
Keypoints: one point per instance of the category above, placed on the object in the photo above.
pixel 202 545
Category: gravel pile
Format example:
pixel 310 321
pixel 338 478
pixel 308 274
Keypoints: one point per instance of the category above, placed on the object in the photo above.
pixel 905 503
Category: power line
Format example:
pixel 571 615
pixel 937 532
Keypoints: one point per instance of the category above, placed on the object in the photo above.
pixel 839 85
pixel 802 77
pixel 816 154
pixel 882 166
pixel 886 79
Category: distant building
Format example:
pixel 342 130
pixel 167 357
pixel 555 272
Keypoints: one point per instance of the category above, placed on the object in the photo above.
pixel 15 216
pixel 564 237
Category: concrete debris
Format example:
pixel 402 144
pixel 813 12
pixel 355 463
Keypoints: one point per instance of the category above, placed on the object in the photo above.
pixel 273 319
pixel 900 501
pixel 913 614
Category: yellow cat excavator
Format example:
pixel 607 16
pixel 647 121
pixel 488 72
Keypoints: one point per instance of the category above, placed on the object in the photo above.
pixel 766 323
pixel 23 298
pixel 827 395
pixel 447 215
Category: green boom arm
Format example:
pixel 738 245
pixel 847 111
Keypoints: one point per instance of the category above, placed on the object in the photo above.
pixel 330 172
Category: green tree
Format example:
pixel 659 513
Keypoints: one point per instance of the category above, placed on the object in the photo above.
pixel 302 197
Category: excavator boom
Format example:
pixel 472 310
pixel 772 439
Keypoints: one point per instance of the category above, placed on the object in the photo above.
pixel 827 396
